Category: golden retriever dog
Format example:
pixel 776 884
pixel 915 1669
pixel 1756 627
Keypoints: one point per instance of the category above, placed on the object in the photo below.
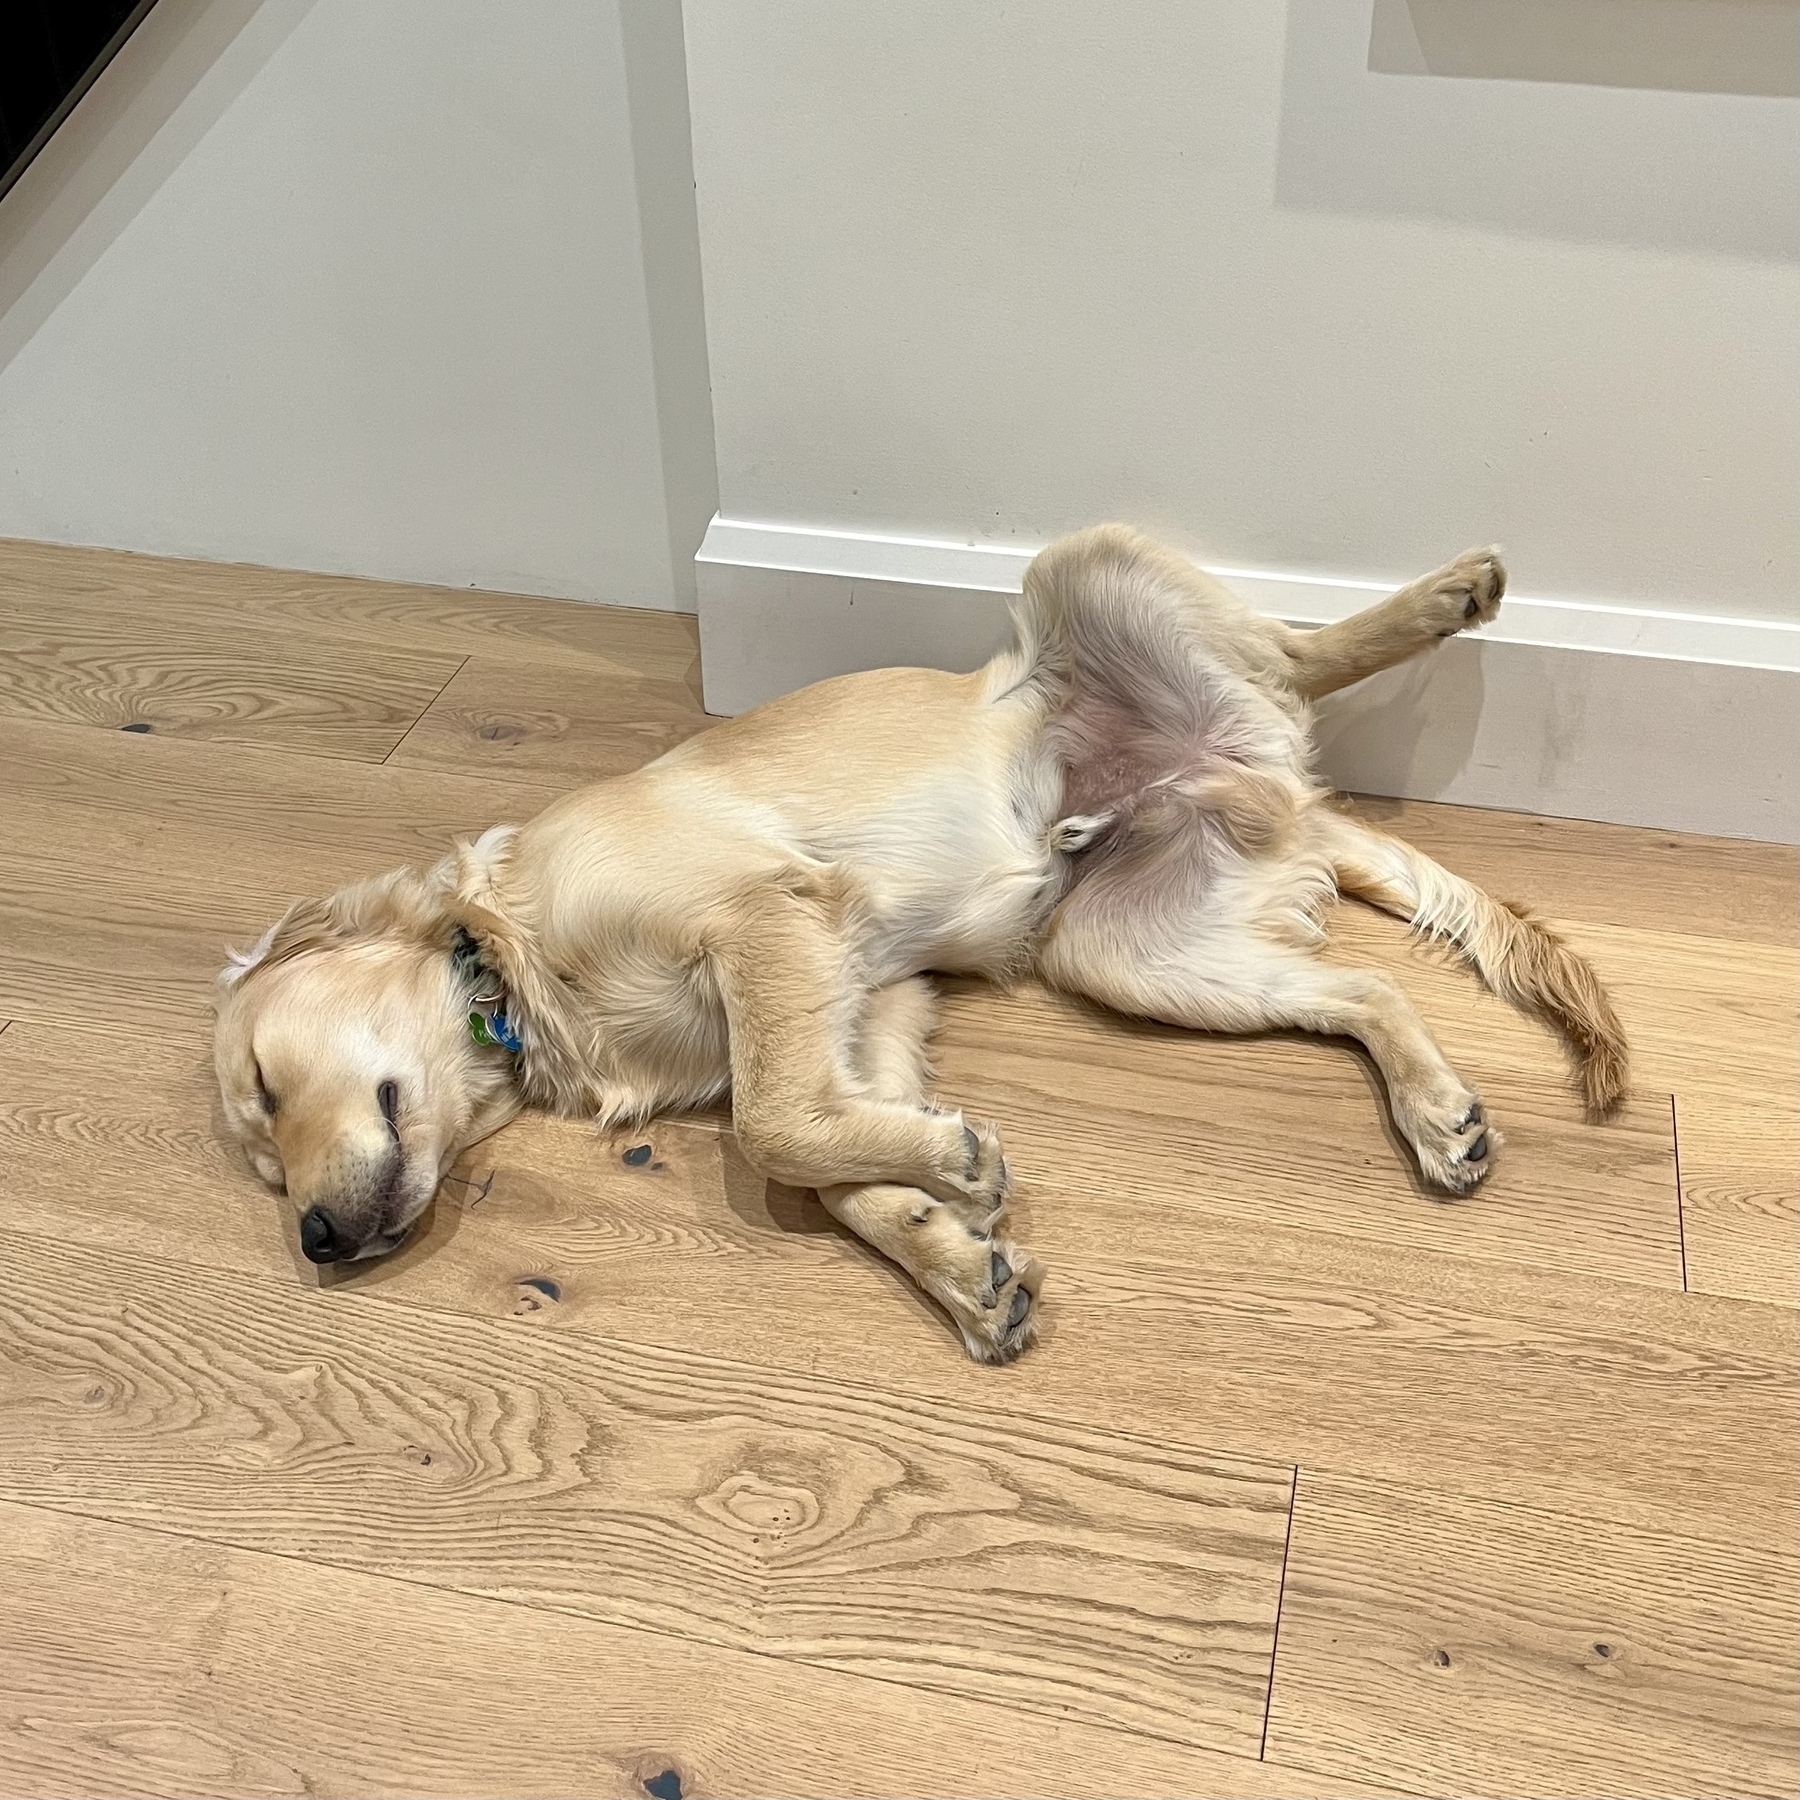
pixel 1121 800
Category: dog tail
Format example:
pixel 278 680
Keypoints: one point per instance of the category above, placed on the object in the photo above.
pixel 1523 961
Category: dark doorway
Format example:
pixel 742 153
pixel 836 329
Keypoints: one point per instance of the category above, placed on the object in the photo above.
pixel 50 52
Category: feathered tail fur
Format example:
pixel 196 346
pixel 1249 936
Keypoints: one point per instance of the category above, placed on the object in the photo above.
pixel 1522 960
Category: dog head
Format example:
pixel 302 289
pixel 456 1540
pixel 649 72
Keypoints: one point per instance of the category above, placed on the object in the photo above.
pixel 346 1063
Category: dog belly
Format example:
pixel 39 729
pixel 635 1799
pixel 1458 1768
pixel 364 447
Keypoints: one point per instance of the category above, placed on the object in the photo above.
pixel 985 930
pixel 961 880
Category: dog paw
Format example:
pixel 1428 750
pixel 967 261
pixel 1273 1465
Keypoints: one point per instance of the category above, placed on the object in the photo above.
pixel 1463 594
pixel 1455 1144
pixel 977 1180
pixel 988 1286
pixel 1078 832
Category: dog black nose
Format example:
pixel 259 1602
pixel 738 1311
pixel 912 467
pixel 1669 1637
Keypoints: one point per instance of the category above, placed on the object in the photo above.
pixel 319 1237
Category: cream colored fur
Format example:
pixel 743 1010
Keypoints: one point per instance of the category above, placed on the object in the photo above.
pixel 1123 799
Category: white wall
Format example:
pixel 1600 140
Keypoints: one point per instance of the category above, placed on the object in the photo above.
pixel 404 288
pixel 413 288
pixel 984 271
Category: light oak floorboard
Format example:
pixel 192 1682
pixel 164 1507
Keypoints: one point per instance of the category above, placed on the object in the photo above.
pixel 1609 874
pixel 1470 1649
pixel 1715 1023
pixel 55 580
pixel 1643 1404
pixel 1083 1573
pixel 1518 1426
pixel 374 815
pixel 137 1662
pixel 558 724
pixel 220 680
pixel 1740 1196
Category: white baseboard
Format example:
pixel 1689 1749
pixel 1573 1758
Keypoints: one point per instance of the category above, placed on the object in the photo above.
pixel 1626 714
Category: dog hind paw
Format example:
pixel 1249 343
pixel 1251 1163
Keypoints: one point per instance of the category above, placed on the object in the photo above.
pixel 1464 594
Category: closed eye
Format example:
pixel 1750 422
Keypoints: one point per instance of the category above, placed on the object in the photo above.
pixel 264 1098
pixel 388 1097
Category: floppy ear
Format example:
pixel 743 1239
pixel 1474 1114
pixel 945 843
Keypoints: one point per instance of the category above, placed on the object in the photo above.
pixel 400 904
pixel 239 963
pixel 305 925
pixel 403 903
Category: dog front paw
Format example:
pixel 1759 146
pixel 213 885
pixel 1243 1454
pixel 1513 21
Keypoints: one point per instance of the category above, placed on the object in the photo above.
pixel 988 1285
pixel 973 1178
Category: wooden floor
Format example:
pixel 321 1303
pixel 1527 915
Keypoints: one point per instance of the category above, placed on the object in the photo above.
pixel 637 1476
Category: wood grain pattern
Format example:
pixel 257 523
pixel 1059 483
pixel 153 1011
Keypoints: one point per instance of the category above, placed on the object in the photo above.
pixel 1086 1574
pixel 1703 1016
pixel 1715 1023
pixel 1162 1123
pixel 189 676
pixel 266 797
pixel 713 1494
pixel 1610 874
pixel 1645 1405
pixel 55 579
pixel 222 1672
pixel 1740 1192
pixel 1468 1649
pixel 136 860
pixel 559 725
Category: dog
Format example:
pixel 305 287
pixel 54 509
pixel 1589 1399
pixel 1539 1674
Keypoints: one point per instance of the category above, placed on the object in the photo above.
pixel 1121 800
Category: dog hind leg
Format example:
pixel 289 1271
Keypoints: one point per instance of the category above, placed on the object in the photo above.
pixel 1523 961
pixel 1223 969
pixel 1458 597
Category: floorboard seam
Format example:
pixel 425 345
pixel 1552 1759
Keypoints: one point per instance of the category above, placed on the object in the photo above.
pixel 1680 1220
pixel 288 752
pixel 426 708
pixel 1262 1748
pixel 552 1609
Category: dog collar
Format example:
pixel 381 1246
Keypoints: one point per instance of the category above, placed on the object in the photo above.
pixel 488 1024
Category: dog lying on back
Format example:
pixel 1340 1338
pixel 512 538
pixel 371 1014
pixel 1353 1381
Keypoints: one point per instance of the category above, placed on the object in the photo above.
pixel 1121 800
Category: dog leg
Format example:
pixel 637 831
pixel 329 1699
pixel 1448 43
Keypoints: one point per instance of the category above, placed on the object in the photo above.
pixel 794 1007
pixel 1458 597
pixel 988 1285
pixel 1230 978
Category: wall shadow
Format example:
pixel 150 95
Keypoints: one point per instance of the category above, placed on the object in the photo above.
pixel 1545 120
pixel 1409 730
pixel 662 154
pixel 1680 46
